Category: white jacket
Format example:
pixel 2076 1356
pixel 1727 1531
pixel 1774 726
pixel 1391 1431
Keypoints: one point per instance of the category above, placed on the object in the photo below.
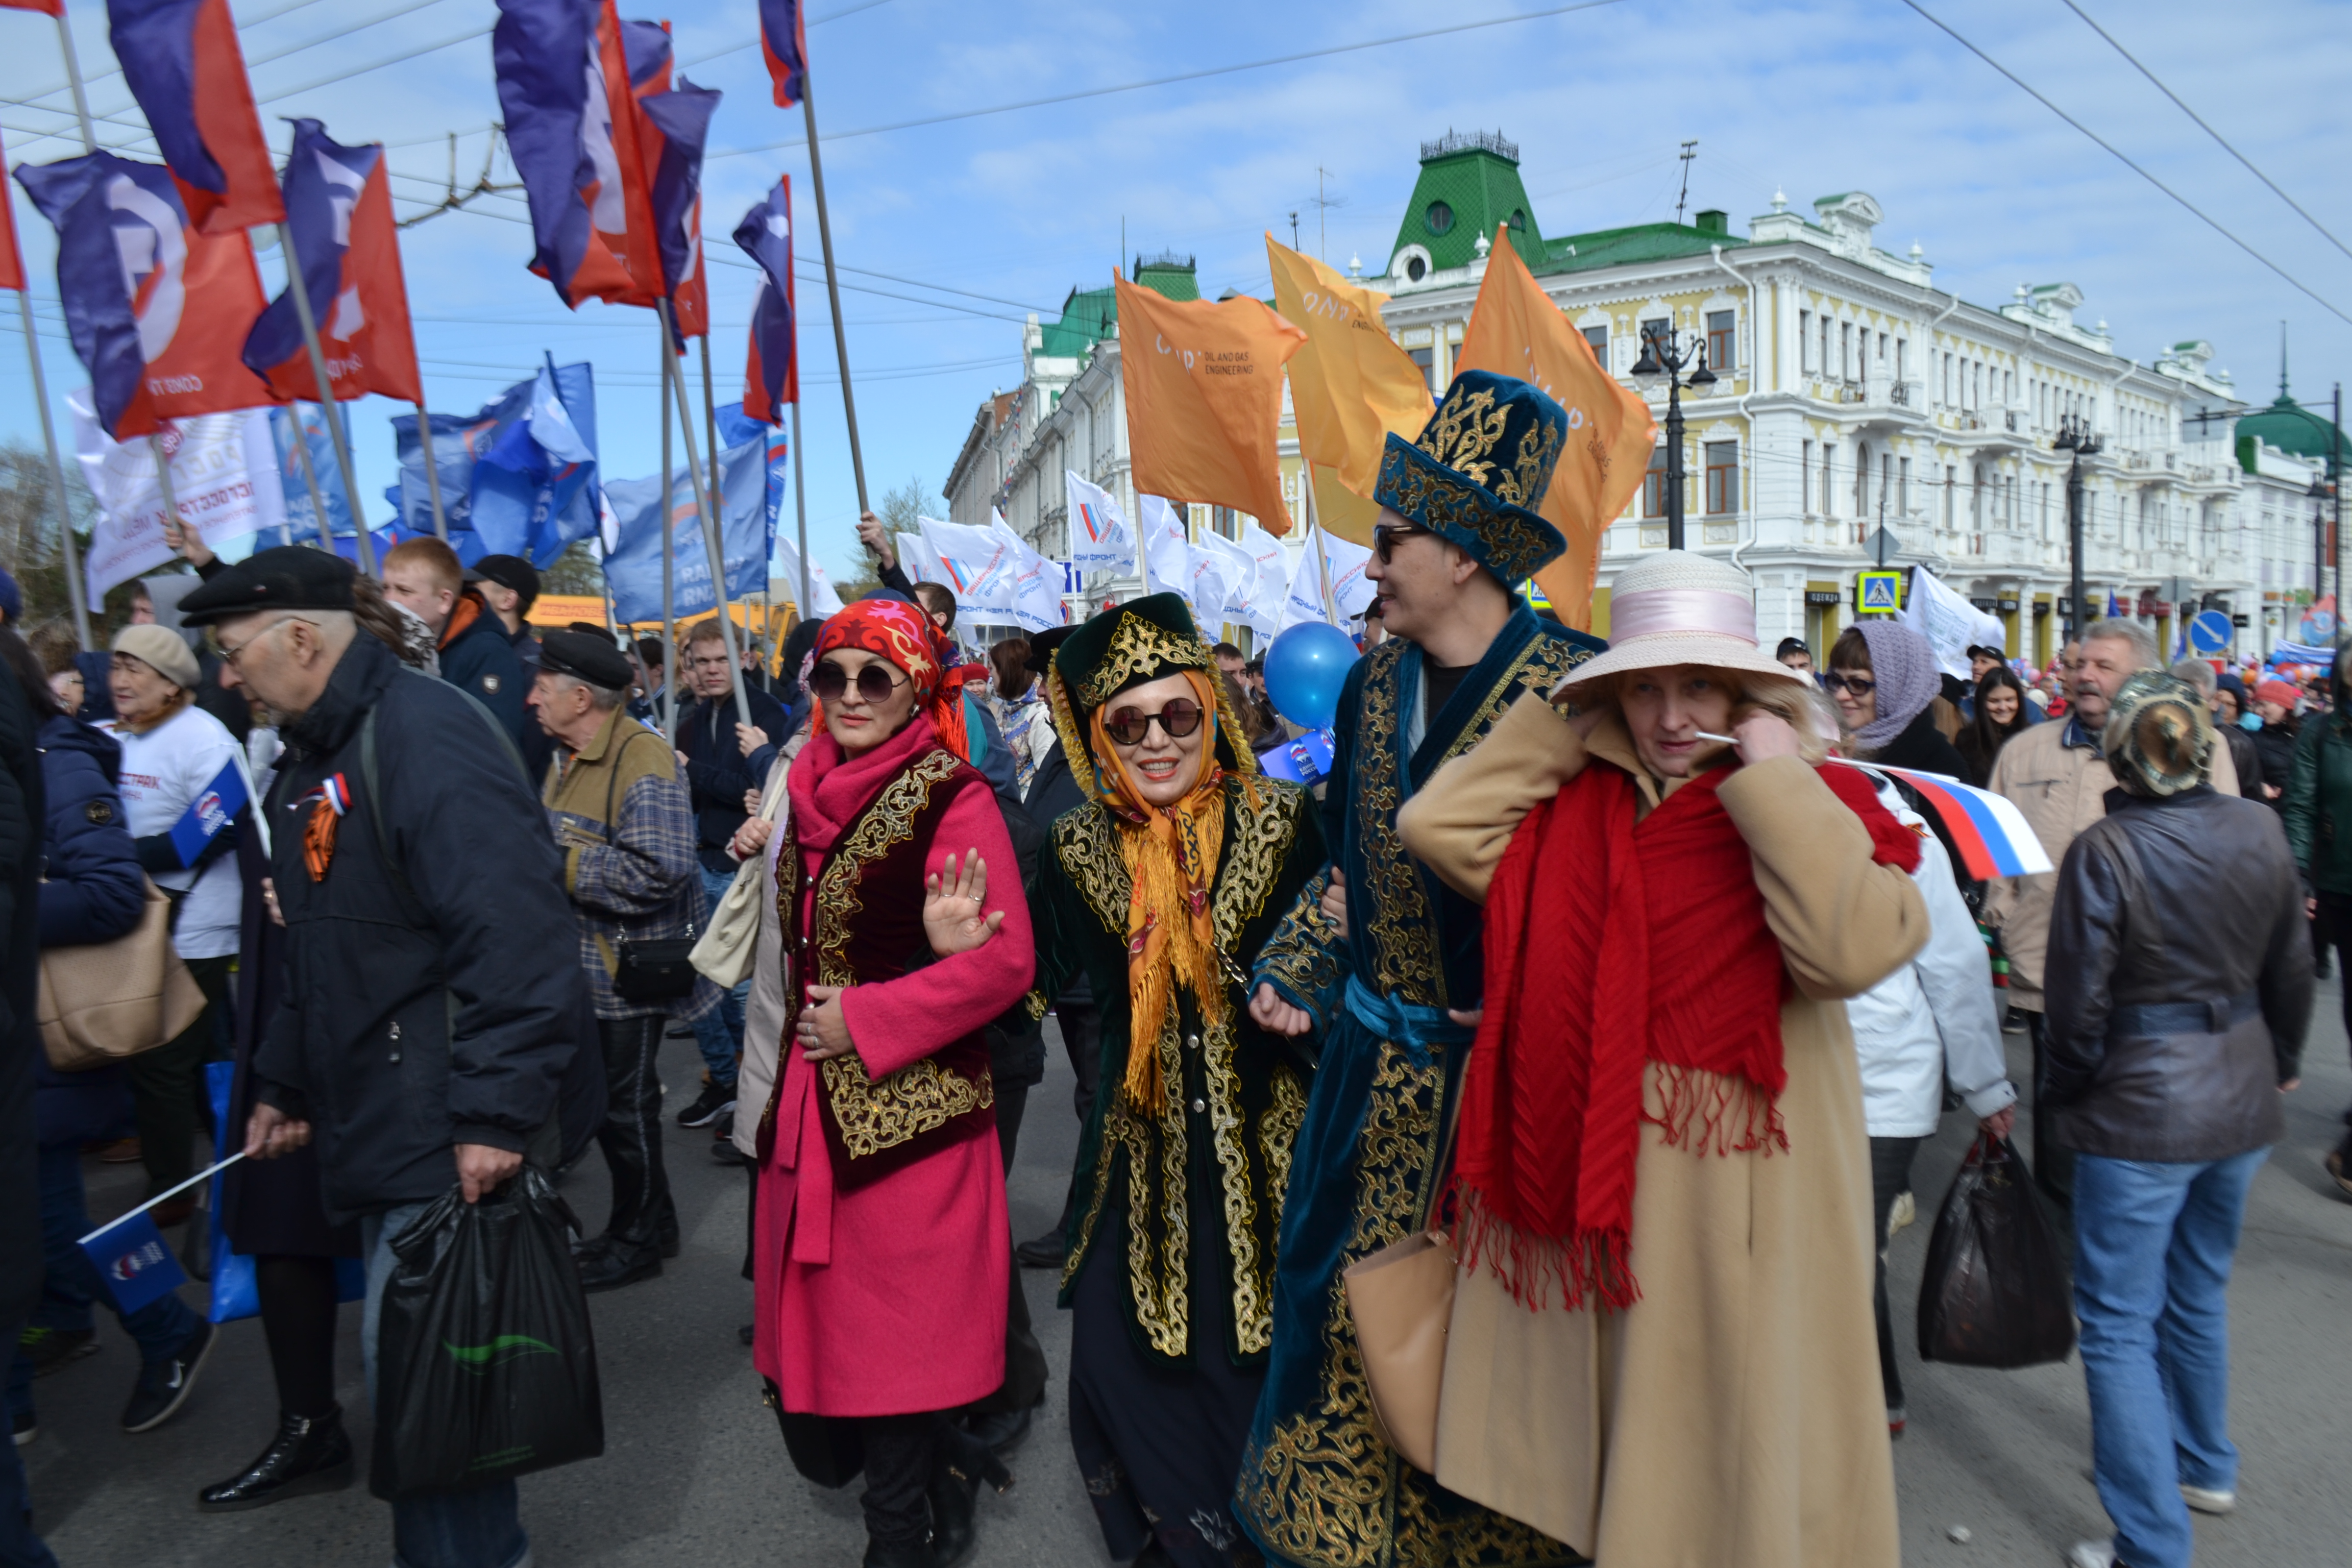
pixel 1933 1018
pixel 768 1010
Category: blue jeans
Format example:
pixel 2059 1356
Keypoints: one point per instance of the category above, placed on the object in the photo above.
pixel 719 1033
pixel 70 1281
pixel 2153 1245
pixel 479 1528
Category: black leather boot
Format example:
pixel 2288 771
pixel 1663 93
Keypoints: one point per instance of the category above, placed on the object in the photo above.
pixel 907 1554
pixel 961 1463
pixel 632 1247
pixel 309 1454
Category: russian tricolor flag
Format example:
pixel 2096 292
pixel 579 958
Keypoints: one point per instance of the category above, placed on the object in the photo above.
pixel 771 372
pixel 783 44
pixel 1993 836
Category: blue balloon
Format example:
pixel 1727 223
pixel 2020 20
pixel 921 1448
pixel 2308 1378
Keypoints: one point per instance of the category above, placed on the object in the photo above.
pixel 1304 667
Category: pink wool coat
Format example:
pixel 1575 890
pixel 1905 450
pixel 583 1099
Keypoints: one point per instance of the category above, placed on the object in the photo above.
pixel 890 1298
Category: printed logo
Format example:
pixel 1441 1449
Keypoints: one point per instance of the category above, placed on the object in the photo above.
pixel 481 1360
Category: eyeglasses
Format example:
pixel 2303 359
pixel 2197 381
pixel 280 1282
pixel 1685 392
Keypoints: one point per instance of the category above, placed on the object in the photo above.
pixel 1385 537
pixel 1853 683
pixel 829 682
pixel 229 655
pixel 1129 726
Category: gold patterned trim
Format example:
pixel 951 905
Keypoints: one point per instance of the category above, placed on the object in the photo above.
pixel 1139 646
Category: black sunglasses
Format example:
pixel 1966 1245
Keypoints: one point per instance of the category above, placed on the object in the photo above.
pixel 1853 683
pixel 829 680
pixel 1386 535
pixel 1129 726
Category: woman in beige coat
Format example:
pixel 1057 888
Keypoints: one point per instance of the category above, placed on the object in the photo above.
pixel 1696 1387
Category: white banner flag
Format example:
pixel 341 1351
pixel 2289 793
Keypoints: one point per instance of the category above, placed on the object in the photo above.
pixel 1100 537
pixel 1330 584
pixel 1273 571
pixel 225 480
pixel 1949 623
pixel 824 599
pixel 1036 583
pixel 976 565
pixel 1247 603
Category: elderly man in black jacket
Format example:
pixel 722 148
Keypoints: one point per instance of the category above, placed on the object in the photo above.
pixel 2179 987
pixel 432 972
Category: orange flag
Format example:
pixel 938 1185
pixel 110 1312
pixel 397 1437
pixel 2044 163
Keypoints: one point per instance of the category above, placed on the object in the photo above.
pixel 1350 385
pixel 1203 386
pixel 1515 330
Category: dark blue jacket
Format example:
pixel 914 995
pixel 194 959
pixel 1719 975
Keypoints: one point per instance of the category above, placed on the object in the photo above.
pixel 718 772
pixel 480 662
pixel 95 889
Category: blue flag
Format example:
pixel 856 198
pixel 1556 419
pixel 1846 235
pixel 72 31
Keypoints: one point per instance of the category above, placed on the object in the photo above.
pixel 211 810
pixel 290 435
pixel 735 428
pixel 682 116
pixel 632 568
pixel 516 479
pixel 771 375
pixel 130 1257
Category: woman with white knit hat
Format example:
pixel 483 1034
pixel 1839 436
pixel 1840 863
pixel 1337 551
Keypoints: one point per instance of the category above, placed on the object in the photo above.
pixel 1662 1343
pixel 172 750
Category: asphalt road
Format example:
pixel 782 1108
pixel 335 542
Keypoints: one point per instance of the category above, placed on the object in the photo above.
pixel 694 1472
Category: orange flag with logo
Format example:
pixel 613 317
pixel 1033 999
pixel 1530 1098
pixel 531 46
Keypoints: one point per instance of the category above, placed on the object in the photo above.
pixel 1515 330
pixel 1350 385
pixel 1203 385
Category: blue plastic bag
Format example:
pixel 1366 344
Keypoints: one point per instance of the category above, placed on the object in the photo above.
pixel 235 1291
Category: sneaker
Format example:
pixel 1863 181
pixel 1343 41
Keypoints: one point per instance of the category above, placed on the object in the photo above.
pixel 54 1350
pixel 2335 1169
pixel 28 1427
pixel 715 1101
pixel 164 1385
pixel 2205 1500
pixel 1896 1419
pixel 2093 1554
pixel 1904 1210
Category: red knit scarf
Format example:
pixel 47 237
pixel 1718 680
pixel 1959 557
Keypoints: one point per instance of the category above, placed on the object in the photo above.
pixel 1611 943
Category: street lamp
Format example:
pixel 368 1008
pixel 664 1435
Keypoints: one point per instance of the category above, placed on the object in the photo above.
pixel 2318 495
pixel 2074 437
pixel 1663 358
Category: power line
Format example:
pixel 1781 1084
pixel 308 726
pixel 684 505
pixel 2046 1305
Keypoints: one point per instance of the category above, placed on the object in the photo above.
pixel 117 70
pixel 1170 80
pixel 2208 131
pixel 2128 162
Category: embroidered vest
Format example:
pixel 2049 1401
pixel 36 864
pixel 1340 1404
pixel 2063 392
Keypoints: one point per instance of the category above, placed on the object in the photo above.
pixel 867 927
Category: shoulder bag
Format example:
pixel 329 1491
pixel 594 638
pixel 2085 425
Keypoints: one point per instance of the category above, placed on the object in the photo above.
pixel 108 1000
pixel 648 969
pixel 726 951
pixel 1401 1298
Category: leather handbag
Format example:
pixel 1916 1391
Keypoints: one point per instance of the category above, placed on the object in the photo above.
pixel 108 1000
pixel 1401 1298
pixel 650 969
pixel 726 951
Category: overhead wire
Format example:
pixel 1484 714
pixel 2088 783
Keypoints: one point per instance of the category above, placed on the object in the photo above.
pixel 754 43
pixel 2129 162
pixel 2179 104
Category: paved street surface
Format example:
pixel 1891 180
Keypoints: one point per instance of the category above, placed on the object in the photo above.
pixel 695 1475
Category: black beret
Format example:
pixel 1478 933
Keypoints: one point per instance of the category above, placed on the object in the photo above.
pixel 284 577
pixel 594 659
pixel 1042 646
pixel 510 571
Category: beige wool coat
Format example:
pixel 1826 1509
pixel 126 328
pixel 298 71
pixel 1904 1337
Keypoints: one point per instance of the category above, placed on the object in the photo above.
pixel 1733 1417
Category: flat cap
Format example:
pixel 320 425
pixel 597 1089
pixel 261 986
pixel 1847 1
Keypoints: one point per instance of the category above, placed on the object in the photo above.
pixel 594 659
pixel 284 577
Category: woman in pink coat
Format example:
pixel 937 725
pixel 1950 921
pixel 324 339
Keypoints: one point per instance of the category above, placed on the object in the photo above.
pixel 882 1239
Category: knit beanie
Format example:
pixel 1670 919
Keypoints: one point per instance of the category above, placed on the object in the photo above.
pixel 2278 691
pixel 163 650
pixel 1907 677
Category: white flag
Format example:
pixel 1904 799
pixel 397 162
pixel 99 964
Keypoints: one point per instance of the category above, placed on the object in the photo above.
pixel 225 480
pixel 1036 583
pixel 976 566
pixel 824 600
pixel 1100 537
pixel 1273 571
pixel 1330 584
pixel 1949 623
pixel 1245 593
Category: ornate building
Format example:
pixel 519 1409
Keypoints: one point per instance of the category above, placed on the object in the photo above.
pixel 1850 395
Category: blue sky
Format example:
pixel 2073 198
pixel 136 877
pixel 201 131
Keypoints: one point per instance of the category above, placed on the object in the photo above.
pixel 1017 207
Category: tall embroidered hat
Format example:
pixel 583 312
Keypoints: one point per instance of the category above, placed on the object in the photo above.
pixel 1125 646
pixel 1477 471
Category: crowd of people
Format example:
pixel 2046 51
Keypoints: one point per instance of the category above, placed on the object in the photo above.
pixel 1594 959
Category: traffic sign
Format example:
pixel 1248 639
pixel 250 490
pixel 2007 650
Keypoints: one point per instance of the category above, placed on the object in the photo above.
pixel 2210 632
pixel 1878 593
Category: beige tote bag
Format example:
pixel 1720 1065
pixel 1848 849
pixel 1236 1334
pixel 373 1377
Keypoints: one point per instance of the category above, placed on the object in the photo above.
pixel 1401 1298
pixel 108 1000
pixel 729 944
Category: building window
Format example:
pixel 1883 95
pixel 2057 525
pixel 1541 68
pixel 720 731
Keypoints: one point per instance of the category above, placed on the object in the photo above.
pixel 1519 219
pixel 1829 474
pixel 1654 484
pixel 1846 351
pixel 1805 478
pixel 1903 481
pixel 1861 479
pixel 1657 330
pixel 1599 338
pixel 1427 360
pixel 1902 352
pixel 1826 345
pixel 1226 521
pixel 1951 483
pixel 1885 481
pixel 1807 364
pixel 1440 216
pixel 1722 477
pixel 1718 341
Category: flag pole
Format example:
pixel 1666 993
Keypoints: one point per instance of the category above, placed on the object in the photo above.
pixel 57 468
pixel 670 559
pixel 800 504
pixel 326 398
pixel 432 469
pixel 832 292
pixel 73 75
pixel 163 483
pixel 310 478
pixel 715 527
pixel 702 504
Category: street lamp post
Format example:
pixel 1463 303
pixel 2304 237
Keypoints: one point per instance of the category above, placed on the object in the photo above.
pixel 1663 358
pixel 2074 437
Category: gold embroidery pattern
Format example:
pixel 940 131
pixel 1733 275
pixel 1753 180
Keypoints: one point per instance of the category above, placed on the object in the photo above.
pixel 1165 1314
pixel 1394 900
pixel 1277 1129
pixel 1511 540
pixel 1326 1490
pixel 922 1095
pixel 1086 842
pixel 1303 953
pixel 1137 648
pixel 1464 434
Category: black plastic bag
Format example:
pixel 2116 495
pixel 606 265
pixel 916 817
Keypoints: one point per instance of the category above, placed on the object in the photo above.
pixel 486 1365
pixel 1999 1291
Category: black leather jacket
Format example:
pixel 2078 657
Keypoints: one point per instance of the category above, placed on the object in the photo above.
pixel 2179 981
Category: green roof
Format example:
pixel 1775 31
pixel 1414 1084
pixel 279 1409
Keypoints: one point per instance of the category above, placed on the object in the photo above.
pixel 2291 428
pixel 1468 185
pixel 1641 242
pixel 1087 313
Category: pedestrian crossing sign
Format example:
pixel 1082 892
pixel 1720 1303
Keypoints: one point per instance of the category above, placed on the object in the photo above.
pixel 1878 593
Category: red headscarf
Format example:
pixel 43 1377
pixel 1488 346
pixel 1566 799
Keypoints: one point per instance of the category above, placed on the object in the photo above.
pixel 907 637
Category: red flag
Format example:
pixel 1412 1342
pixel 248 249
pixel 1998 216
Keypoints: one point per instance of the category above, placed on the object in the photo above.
pixel 633 244
pixel 181 61
pixel 46 7
pixel 339 212
pixel 783 44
